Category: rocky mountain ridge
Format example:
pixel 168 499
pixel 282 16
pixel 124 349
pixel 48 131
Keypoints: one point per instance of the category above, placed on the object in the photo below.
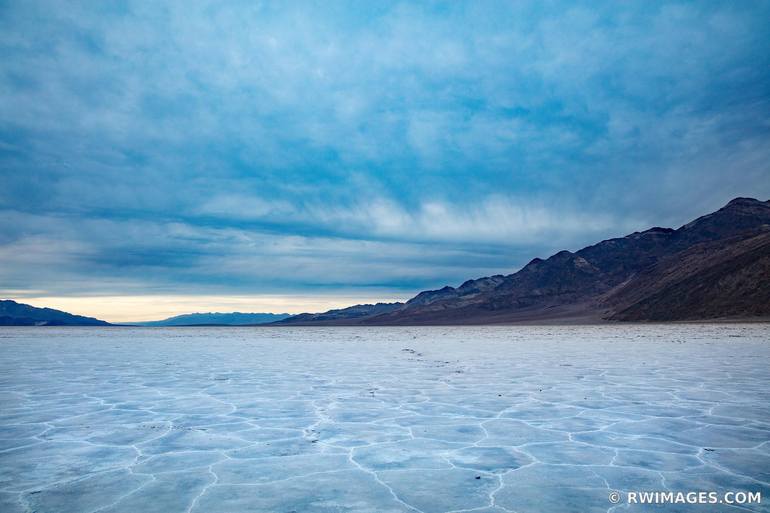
pixel 716 266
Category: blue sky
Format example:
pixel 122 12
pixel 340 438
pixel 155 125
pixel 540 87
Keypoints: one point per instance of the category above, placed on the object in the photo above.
pixel 298 155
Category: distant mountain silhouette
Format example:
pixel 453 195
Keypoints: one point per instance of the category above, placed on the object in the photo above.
pixel 216 319
pixel 344 314
pixel 715 267
pixel 19 314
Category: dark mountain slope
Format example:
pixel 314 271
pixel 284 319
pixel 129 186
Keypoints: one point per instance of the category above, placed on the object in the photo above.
pixel 19 314
pixel 722 279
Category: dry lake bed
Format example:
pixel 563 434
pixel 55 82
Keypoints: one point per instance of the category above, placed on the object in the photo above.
pixel 430 419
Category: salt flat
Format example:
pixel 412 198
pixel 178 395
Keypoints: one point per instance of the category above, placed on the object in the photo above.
pixel 431 419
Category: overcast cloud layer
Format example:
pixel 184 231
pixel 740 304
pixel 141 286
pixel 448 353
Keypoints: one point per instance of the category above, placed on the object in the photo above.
pixel 333 147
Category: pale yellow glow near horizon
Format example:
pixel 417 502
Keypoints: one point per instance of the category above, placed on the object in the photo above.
pixel 118 309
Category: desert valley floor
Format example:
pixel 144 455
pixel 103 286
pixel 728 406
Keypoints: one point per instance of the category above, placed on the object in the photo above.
pixel 430 419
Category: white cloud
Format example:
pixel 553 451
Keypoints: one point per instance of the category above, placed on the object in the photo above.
pixel 495 219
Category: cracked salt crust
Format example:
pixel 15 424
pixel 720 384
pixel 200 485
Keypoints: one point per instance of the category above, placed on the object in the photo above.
pixel 483 419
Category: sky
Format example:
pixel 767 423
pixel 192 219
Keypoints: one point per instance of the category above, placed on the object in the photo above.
pixel 158 158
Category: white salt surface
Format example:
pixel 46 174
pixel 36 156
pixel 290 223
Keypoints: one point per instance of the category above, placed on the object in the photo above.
pixel 485 419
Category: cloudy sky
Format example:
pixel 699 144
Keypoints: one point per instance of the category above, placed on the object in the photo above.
pixel 164 157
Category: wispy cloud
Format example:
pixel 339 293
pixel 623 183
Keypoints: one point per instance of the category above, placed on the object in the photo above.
pixel 493 219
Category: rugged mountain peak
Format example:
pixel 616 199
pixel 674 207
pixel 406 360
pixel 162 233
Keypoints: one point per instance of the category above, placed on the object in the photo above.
pixel 739 215
pixel 746 203
pixel 482 283
pixel 430 296
pixel 655 231
pixel 561 255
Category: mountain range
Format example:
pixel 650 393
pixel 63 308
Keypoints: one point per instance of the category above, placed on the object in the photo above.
pixel 715 267
pixel 19 314
pixel 216 319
